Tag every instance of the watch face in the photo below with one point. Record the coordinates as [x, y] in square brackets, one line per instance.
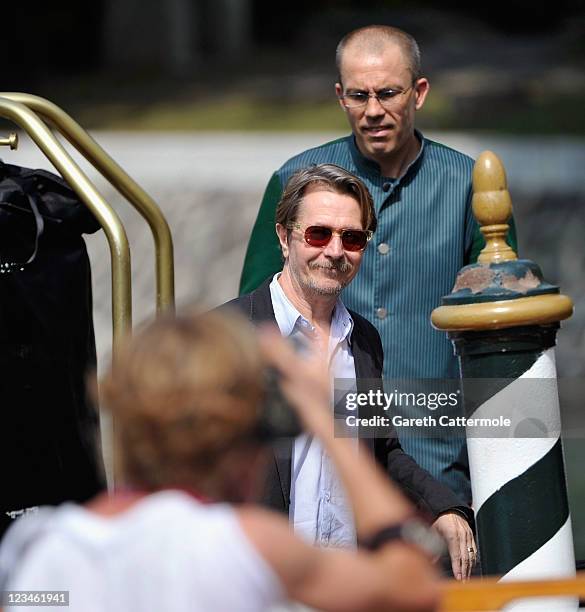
[425, 537]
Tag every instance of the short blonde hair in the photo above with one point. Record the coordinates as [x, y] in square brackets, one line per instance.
[185, 393]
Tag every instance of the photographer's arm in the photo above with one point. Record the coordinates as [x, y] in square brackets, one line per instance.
[396, 575]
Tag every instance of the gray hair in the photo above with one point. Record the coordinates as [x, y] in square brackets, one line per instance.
[331, 178]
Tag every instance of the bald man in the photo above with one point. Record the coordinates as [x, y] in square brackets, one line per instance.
[426, 230]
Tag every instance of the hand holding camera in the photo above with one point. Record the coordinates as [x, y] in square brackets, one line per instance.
[303, 383]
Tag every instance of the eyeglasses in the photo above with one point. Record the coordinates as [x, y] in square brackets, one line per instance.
[320, 236]
[387, 98]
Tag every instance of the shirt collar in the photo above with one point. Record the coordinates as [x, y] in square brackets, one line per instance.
[341, 323]
[289, 319]
[285, 313]
[371, 167]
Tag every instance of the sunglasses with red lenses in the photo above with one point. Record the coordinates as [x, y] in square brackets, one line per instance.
[320, 236]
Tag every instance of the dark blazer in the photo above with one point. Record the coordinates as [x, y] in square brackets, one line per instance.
[429, 495]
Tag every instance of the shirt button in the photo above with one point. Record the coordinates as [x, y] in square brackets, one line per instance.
[386, 186]
[383, 248]
[381, 313]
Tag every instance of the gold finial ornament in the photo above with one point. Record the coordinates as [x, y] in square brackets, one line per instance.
[492, 207]
[10, 141]
[500, 290]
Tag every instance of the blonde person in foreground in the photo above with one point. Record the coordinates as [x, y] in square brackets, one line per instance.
[184, 534]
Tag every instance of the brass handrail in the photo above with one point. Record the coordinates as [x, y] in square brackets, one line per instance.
[491, 594]
[146, 206]
[23, 116]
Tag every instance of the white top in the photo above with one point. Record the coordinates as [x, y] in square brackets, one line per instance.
[319, 509]
[167, 552]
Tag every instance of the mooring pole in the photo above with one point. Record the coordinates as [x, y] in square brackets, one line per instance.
[502, 318]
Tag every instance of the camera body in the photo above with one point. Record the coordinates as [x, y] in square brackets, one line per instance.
[277, 418]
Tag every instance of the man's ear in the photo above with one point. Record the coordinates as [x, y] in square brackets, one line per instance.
[282, 234]
[421, 90]
[339, 92]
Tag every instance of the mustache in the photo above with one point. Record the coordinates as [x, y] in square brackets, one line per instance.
[340, 266]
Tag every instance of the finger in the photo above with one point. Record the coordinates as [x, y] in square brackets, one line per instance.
[471, 548]
[455, 554]
[465, 554]
[274, 349]
[280, 353]
[474, 554]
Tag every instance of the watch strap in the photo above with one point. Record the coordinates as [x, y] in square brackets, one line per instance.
[381, 537]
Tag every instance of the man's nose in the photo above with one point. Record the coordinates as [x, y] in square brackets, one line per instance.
[373, 107]
[334, 248]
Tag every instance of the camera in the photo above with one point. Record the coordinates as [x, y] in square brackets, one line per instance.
[277, 418]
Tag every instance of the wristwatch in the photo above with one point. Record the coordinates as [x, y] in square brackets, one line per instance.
[411, 531]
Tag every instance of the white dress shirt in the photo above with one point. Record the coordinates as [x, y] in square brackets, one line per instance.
[319, 510]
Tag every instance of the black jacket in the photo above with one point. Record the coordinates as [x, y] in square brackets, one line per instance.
[429, 495]
[49, 448]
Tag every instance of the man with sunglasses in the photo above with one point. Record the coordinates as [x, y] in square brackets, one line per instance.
[426, 230]
[324, 222]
